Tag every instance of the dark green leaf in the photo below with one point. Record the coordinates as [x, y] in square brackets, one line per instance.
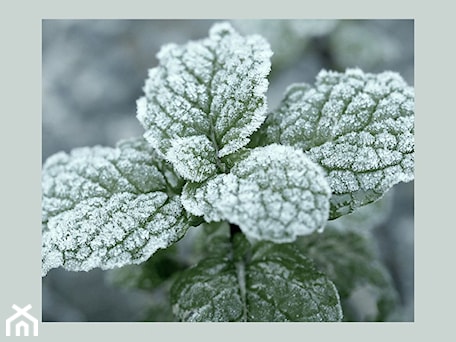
[268, 282]
[351, 261]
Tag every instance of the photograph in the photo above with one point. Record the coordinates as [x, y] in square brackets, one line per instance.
[234, 170]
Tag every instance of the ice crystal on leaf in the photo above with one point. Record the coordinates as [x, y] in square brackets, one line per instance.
[193, 157]
[359, 127]
[107, 207]
[274, 193]
[267, 283]
[209, 92]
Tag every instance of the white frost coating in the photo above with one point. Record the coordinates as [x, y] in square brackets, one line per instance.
[190, 156]
[105, 207]
[359, 127]
[214, 87]
[276, 193]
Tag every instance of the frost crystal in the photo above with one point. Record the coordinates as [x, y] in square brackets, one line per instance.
[359, 127]
[105, 207]
[275, 193]
[190, 156]
[212, 89]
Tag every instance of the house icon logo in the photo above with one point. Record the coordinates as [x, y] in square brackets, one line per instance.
[21, 322]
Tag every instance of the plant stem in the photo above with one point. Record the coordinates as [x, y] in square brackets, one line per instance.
[240, 265]
[234, 229]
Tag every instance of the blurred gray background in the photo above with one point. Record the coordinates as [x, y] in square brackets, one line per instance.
[93, 72]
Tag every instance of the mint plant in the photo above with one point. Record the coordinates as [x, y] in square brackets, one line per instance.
[275, 198]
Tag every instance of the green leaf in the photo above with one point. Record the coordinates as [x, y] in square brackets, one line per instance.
[289, 38]
[351, 260]
[108, 207]
[367, 217]
[364, 45]
[149, 274]
[269, 283]
[211, 239]
[204, 99]
[274, 193]
[359, 127]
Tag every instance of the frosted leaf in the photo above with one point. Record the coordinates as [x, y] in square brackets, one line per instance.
[213, 89]
[269, 283]
[107, 207]
[359, 127]
[190, 157]
[352, 261]
[275, 193]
